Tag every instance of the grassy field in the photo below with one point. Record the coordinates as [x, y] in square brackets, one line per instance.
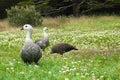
[96, 37]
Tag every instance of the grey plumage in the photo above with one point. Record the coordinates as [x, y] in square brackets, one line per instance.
[61, 48]
[43, 42]
[30, 52]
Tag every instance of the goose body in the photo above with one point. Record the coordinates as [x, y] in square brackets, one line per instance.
[30, 52]
[61, 48]
[43, 42]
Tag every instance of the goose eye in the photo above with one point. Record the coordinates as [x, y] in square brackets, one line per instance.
[25, 26]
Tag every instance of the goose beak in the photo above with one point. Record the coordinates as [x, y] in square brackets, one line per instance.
[22, 28]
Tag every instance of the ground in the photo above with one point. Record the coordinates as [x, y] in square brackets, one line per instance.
[96, 37]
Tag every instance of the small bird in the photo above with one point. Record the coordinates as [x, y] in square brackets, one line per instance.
[30, 52]
[61, 48]
[43, 42]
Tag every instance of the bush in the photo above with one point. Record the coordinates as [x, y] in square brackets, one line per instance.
[24, 15]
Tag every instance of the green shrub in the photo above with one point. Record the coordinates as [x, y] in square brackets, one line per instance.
[24, 15]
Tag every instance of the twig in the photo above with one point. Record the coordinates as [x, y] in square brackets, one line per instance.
[57, 10]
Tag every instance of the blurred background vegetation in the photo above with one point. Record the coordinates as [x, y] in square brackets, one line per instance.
[55, 8]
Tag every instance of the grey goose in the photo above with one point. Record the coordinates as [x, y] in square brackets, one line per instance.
[30, 52]
[43, 42]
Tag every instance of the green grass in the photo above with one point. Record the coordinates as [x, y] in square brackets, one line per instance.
[96, 37]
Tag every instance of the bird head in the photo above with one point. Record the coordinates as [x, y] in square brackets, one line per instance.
[27, 27]
[75, 48]
[45, 29]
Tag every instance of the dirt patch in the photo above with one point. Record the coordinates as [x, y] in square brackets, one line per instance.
[2, 27]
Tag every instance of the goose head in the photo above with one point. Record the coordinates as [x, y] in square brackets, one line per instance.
[27, 27]
[45, 29]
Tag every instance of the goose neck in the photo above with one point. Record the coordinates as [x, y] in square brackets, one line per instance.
[28, 36]
[45, 34]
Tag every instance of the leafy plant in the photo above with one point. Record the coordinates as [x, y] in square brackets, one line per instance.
[24, 15]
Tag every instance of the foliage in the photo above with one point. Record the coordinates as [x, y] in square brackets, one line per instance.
[53, 7]
[24, 15]
[64, 7]
[25, 2]
[116, 1]
[76, 7]
[97, 38]
[4, 4]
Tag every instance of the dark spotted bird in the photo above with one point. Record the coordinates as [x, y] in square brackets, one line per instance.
[43, 42]
[30, 52]
[61, 48]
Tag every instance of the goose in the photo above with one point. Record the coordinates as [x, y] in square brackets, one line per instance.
[43, 42]
[30, 52]
[61, 48]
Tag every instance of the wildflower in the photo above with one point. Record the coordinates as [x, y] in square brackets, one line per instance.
[101, 76]
[22, 72]
[60, 71]
[77, 74]
[85, 69]
[64, 58]
[11, 64]
[8, 69]
[67, 70]
[31, 71]
[11, 68]
[91, 61]
[66, 78]
[19, 62]
[42, 70]
[73, 69]
[14, 59]
[104, 72]
[36, 66]
[72, 62]
[64, 71]
[49, 72]
[82, 76]
[65, 67]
